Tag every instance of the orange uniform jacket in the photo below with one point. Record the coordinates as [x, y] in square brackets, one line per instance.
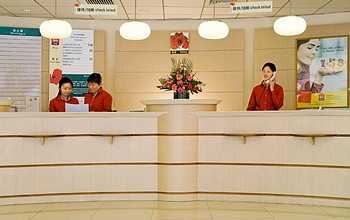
[59, 105]
[263, 99]
[102, 102]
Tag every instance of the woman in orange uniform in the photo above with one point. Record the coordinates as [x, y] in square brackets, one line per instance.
[98, 99]
[65, 87]
[268, 95]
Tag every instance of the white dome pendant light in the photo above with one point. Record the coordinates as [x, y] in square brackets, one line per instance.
[55, 28]
[290, 25]
[214, 29]
[135, 30]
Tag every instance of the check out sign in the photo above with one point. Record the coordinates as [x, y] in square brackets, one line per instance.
[93, 9]
[249, 7]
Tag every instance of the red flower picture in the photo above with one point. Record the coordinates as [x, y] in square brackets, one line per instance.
[179, 43]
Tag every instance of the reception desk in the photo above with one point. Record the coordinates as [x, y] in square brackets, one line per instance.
[177, 151]
[178, 146]
[300, 157]
[62, 157]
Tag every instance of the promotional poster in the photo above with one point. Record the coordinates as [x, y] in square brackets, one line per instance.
[322, 72]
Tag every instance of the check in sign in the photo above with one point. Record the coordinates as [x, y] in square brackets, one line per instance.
[249, 7]
[95, 9]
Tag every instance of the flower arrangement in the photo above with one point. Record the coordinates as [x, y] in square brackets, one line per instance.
[181, 78]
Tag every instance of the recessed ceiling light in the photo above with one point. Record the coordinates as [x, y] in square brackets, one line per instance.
[143, 10]
[26, 10]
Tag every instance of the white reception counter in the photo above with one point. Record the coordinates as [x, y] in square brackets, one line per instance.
[282, 157]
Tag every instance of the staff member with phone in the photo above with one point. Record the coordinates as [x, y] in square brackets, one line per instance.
[268, 95]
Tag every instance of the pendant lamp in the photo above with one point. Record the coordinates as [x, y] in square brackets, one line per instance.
[55, 28]
[135, 30]
[290, 25]
[214, 29]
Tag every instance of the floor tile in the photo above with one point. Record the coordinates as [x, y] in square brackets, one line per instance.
[181, 214]
[235, 214]
[128, 205]
[73, 206]
[236, 206]
[19, 216]
[136, 210]
[22, 209]
[337, 212]
[294, 209]
[161, 210]
[290, 216]
[68, 211]
[181, 205]
[124, 214]
[64, 215]
[179, 218]
[181, 210]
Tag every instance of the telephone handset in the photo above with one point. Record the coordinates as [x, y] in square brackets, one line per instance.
[272, 78]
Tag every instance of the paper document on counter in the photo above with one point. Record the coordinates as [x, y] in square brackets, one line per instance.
[77, 107]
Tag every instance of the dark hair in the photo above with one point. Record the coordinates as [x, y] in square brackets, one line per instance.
[271, 65]
[300, 42]
[63, 81]
[94, 78]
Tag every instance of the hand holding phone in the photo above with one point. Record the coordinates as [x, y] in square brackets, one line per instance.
[272, 78]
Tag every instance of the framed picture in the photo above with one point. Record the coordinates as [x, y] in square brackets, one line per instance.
[322, 72]
[179, 43]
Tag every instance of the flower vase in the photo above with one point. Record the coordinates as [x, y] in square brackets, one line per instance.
[182, 95]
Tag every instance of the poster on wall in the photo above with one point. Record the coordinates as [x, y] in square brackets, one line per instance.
[322, 72]
[179, 43]
[55, 66]
[20, 66]
[72, 57]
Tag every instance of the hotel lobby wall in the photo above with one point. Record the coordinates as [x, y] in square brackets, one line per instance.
[218, 63]
[99, 65]
[282, 51]
[258, 29]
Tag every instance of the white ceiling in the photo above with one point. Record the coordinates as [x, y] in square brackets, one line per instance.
[168, 9]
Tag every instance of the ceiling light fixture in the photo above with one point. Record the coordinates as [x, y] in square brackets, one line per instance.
[135, 30]
[289, 25]
[214, 29]
[55, 28]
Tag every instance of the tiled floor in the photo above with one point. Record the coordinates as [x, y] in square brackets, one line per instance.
[152, 210]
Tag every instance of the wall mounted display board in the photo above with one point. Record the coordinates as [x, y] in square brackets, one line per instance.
[72, 57]
[20, 65]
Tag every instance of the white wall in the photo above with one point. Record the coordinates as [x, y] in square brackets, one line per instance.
[110, 26]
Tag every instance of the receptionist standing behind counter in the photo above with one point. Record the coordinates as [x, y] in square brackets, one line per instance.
[268, 95]
[98, 99]
[65, 87]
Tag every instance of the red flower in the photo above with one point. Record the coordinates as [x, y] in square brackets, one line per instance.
[178, 76]
[173, 87]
